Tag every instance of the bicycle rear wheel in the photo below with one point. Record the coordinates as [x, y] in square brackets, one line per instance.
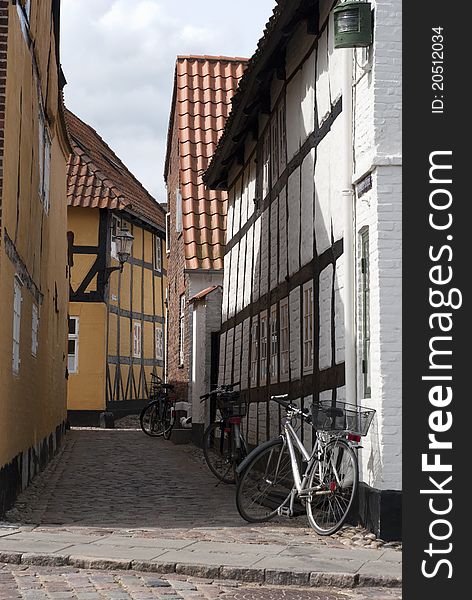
[337, 476]
[266, 483]
[217, 450]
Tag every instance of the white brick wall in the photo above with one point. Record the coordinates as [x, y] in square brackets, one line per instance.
[378, 149]
[229, 356]
[265, 246]
[238, 331]
[283, 233]
[249, 268]
[294, 222]
[274, 244]
[322, 197]
[307, 225]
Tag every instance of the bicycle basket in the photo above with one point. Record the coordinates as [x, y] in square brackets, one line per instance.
[341, 416]
[231, 404]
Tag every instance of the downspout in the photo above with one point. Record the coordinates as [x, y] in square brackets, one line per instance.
[348, 212]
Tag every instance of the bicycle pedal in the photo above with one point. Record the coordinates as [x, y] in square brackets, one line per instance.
[284, 511]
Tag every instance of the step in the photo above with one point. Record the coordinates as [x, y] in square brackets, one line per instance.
[181, 436]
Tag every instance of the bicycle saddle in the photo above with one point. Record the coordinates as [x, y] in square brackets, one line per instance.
[167, 386]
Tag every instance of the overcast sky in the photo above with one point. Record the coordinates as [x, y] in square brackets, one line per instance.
[118, 57]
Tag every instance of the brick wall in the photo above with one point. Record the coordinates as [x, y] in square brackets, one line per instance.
[378, 151]
[176, 373]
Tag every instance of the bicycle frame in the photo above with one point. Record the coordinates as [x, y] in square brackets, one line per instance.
[292, 440]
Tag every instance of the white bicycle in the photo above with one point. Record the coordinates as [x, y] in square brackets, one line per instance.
[272, 477]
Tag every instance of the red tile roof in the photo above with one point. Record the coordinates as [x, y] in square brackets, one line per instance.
[203, 88]
[97, 178]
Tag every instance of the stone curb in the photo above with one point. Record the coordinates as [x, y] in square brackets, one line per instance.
[223, 572]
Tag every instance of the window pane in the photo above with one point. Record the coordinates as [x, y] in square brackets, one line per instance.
[72, 326]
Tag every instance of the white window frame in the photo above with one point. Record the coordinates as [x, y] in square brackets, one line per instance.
[44, 161]
[34, 330]
[364, 288]
[308, 327]
[266, 162]
[181, 330]
[157, 253]
[274, 344]
[75, 338]
[284, 346]
[264, 346]
[254, 350]
[16, 335]
[137, 339]
[159, 338]
[168, 233]
[178, 211]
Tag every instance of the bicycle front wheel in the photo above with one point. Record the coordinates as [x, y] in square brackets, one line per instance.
[153, 420]
[266, 483]
[335, 478]
[217, 449]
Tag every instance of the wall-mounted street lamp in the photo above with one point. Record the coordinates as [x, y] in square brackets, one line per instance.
[124, 246]
[353, 24]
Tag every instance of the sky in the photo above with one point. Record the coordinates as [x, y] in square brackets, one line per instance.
[118, 57]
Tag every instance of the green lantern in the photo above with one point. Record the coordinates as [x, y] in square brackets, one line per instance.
[353, 24]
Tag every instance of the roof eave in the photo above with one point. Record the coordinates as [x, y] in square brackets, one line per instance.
[255, 83]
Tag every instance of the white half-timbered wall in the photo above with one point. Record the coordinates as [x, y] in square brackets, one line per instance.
[285, 234]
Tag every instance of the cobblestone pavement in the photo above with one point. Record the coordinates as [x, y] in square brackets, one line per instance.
[45, 583]
[119, 499]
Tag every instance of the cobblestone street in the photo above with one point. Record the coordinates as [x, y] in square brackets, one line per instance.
[116, 499]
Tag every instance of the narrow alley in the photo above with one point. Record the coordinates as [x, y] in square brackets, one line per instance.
[116, 499]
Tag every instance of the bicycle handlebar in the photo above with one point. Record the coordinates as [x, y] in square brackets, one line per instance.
[289, 406]
[219, 390]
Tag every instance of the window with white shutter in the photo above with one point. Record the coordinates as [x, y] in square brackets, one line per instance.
[254, 350]
[73, 347]
[182, 330]
[308, 326]
[34, 330]
[17, 300]
[168, 234]
[284, 340]
[44, 161]
[263, 348]
[137, 340]
[178, 211]
[274, 344]
[157, 253]
[159, 342]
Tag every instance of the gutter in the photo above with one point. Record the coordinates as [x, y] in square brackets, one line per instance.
[349, 239]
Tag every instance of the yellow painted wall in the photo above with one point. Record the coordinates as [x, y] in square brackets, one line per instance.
[86, 389]
[32, 403]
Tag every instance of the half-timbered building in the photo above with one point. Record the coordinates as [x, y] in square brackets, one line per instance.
[196, 222]
[33, 248]
[116, 318]
[311, 159]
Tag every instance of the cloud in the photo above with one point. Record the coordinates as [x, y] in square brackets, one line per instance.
[119, 59]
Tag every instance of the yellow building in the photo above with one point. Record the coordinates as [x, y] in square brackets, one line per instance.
[116, 318]
[33, 245]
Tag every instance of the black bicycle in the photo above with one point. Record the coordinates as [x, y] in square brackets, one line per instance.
[224, 446]
[158, 416]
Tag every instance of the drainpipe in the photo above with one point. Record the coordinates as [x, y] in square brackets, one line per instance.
[348, 210]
